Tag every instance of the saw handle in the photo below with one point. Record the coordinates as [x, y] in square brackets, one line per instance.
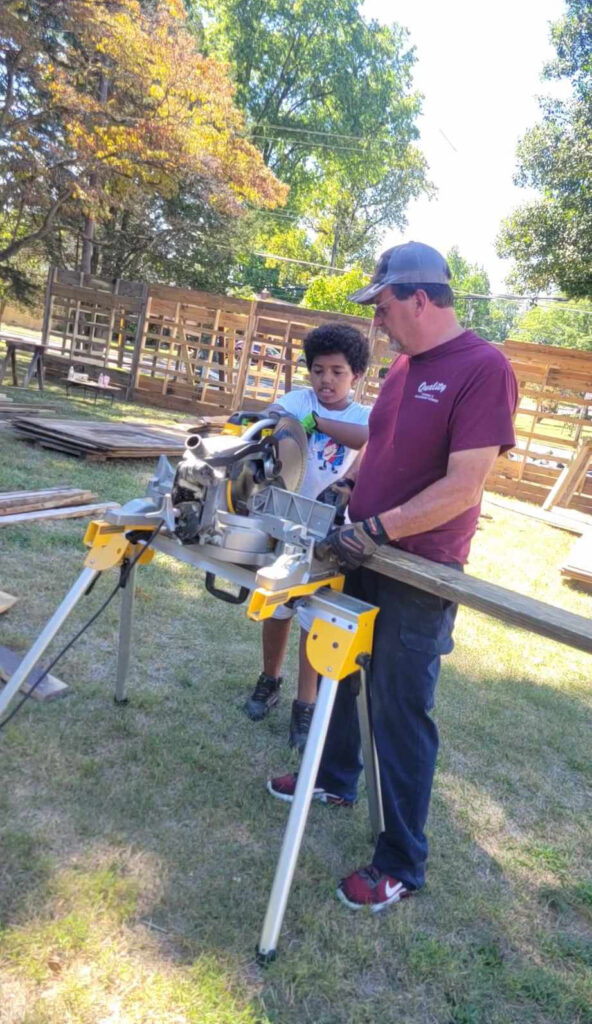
[225, 595]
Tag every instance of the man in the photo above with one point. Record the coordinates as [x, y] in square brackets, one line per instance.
[444, 413]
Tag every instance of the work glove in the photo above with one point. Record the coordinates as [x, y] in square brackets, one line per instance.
[338, 495]
[309, 423]
[352, 545]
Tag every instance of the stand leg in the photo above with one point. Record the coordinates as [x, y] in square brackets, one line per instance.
[126, 620]
[266, 950]
[369, 757]
[46, 636]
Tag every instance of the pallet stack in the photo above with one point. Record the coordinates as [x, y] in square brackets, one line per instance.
[97, 441]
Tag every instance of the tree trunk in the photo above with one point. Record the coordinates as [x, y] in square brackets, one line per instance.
[334, 250]
[87, 245]
[88, 231]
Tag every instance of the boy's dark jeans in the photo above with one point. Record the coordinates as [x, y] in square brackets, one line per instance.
[413, 629]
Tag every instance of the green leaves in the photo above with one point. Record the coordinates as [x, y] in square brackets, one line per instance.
[550, 239]
[328, 98]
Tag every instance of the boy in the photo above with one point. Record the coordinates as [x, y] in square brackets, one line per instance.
[336, 357]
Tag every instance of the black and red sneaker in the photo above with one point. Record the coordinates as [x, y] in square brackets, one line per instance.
[370, 887]
[283, 787]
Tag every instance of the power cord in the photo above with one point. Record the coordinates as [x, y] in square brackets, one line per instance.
[125, 570]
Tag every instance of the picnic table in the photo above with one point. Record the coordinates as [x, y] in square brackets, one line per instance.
[92, 386]
[18, 343]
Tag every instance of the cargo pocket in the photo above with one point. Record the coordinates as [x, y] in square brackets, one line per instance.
[415, 641]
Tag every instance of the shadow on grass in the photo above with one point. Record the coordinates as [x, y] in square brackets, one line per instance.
[167, 794]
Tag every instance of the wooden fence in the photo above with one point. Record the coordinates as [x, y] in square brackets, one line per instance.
[205, 353]
[552, 421]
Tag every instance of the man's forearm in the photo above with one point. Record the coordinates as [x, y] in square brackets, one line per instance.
[437, 504]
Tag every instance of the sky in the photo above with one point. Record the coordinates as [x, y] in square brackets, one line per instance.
[479, 68]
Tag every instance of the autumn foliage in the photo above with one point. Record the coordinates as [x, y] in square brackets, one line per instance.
[107, 102]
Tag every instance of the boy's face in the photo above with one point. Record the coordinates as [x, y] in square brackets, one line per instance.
[332, 380]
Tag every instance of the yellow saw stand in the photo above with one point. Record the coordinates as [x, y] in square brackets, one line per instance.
[339, 644]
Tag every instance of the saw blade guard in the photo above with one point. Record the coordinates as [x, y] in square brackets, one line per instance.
[222, 473]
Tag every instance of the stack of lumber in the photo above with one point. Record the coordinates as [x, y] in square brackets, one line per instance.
[10, 410]
[579, 561]
[103, 440]
[51, 503]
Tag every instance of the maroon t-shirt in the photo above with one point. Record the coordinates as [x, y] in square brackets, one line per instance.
[457, 396]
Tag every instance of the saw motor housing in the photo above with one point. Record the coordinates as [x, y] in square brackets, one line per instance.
[212, 479]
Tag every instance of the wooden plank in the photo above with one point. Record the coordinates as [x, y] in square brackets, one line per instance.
[207, 300]
[489, 598]
[71, 512]
[100, 299]
[562, 519]
[6, 601]
[48, 689]
[30, 501]
[239, 394]
[578, 564]
[570, 479]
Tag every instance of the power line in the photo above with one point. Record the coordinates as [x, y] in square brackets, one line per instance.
[314, 131]
[309, 145]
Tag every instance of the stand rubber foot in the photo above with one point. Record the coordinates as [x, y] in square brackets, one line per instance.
[121, 701]
[263, 959]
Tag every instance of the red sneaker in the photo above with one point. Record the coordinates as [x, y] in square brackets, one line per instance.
[370, 887]
[283, 788]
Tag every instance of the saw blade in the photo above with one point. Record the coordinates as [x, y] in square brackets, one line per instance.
[292, 451]
[292, 448]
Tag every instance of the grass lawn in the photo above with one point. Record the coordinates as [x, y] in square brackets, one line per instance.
[138, 843]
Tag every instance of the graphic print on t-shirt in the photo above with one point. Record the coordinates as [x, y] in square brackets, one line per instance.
[328, 454]
[430, 392]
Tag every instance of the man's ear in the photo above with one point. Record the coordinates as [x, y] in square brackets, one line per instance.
[421, 301]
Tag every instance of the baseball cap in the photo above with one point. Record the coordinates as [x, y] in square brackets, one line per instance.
[410, 263]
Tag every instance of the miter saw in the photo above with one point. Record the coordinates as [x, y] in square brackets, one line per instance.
[237, 500]
[232, 508]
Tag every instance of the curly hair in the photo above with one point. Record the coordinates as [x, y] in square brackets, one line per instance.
[336, 337]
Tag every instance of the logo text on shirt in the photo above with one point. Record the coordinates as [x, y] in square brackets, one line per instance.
[426, 391]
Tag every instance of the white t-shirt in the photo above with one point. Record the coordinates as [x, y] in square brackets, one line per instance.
[327, 459]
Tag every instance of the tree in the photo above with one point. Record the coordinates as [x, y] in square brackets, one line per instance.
[551, 238]
[328, 96]
[556, 325]
[108, 106]
[331, 292]
[490, 318]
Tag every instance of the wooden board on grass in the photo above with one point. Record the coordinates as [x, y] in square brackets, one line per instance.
[49, 688]
[12, 502]
[6, 601]
[578, 565]
[70, 512]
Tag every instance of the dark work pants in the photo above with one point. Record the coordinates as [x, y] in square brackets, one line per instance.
[413, 628]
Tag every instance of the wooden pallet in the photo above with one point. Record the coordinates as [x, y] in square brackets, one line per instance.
[102, 440]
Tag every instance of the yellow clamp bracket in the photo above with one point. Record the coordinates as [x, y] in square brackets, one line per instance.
[333, 646]
[263, 603]
[109, 545]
